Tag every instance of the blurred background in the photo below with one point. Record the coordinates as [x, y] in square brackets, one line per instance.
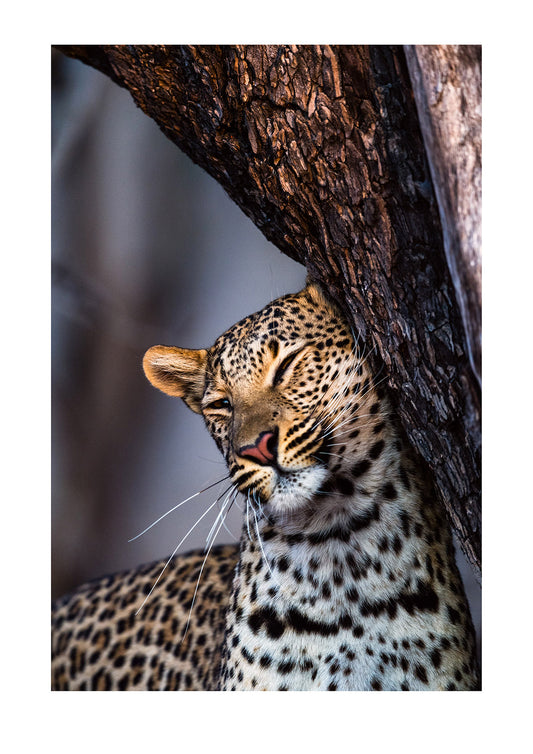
[146, 249]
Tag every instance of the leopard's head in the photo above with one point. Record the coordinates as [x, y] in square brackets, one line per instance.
[283, 393]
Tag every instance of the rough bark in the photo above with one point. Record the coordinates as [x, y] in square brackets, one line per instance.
[321, 147]
[447, 88]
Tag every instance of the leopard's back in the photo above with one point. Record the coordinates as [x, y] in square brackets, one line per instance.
[99, 643]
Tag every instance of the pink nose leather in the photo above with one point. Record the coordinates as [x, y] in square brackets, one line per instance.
[260, 450]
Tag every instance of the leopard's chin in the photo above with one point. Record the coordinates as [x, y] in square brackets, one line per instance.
[293, 490]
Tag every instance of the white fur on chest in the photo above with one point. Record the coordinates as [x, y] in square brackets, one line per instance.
[308, 623]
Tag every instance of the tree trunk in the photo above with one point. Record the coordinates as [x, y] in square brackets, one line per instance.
[321, 147]
[447, 87]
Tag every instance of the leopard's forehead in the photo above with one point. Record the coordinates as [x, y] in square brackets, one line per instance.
[288, 321]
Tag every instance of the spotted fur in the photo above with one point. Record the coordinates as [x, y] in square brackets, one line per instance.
[100, 644]
[346, 577]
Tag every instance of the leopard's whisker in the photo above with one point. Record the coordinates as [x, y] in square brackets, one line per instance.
[327, 453]
[248, 516]
[172, 555]
[338, 432]
[230, 490]
[262, 511]
[232, 535]
[178, 506]
[260, 541]
[338, 422]
[339, 401]
[203, 565]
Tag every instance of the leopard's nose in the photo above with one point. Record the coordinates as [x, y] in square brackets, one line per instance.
[263, 451]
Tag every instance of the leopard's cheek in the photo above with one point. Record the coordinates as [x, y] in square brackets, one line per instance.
[255, 482]
[220, 434]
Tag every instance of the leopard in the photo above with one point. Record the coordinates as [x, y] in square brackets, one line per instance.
[344, 578]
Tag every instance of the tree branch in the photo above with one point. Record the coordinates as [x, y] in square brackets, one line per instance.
[447, 87]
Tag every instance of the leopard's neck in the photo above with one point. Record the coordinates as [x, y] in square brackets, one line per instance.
[360, 600]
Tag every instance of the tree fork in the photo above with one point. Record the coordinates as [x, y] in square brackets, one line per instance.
[321, 147]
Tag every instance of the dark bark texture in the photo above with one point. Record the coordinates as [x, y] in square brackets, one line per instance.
[321, 147]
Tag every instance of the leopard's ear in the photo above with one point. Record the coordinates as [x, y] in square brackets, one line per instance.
[178, 372]
[315, 293]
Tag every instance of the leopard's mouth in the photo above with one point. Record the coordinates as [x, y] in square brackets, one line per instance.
[285, 487]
